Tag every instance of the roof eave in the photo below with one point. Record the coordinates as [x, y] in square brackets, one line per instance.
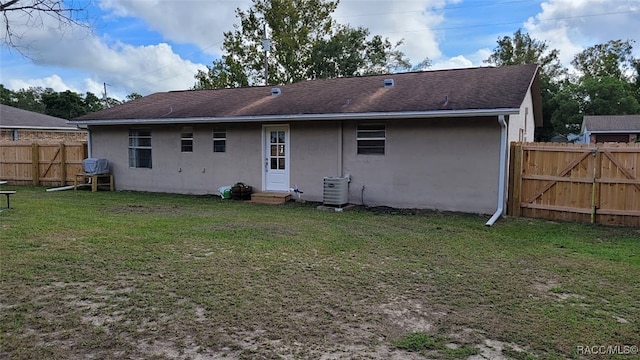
[307, 117]
[625, 131]
[39, 128]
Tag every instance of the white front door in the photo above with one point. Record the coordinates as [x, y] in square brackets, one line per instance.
[276, 158]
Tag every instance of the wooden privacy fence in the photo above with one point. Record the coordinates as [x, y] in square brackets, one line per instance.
[597, 183]
[41, 164]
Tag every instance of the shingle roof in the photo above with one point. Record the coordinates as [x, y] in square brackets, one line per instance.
[12, 117]
[457, 89]
[623, 123]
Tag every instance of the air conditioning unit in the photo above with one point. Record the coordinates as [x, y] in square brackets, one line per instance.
[335, 191]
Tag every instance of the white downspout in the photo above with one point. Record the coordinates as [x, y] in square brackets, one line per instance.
[503, 168]
[89, 147]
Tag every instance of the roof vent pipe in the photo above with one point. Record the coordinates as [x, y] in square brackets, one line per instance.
[276, 91]
[388, 83]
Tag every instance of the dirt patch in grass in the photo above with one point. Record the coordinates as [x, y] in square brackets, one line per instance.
[127, 209]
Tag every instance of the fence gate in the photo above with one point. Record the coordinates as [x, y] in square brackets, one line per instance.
[41, 164]
[576, 182]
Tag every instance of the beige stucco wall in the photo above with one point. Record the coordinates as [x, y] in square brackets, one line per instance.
[314, 156]
[522, 126]
[446, 164]
[199, 172]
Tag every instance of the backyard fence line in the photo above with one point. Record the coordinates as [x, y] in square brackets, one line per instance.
[24, 163]
[597, 183]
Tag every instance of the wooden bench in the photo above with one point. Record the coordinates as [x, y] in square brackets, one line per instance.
[7, 193]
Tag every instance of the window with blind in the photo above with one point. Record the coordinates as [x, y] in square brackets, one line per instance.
[140, 148]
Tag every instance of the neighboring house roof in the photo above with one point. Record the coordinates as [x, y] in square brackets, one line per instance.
[15, 118]
[457, 92]
[611, 123]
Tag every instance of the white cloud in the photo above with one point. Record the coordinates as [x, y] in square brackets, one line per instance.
[452, 63]
[204, 22]
[142, 69]
[54, 82]
[573, 25]
[188, 21]
[412, 21]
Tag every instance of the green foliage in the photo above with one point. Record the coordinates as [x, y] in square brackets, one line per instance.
[522, 49]
[608, 83]
[612, 59]
[591, 96]
[306, 43]
[133, 96]
[27, 99]
[66, 104]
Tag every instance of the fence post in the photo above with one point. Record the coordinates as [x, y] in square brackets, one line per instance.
[515, 182]
[595, 190]
[35, 164]
[63, 165]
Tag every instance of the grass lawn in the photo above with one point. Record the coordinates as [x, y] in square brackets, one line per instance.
[155, 276]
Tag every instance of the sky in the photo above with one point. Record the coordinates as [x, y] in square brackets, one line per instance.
[147, 46]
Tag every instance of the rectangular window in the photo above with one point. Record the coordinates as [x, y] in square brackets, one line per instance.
[186, 139]
[140, 148]
[219, 140]
[371, 139]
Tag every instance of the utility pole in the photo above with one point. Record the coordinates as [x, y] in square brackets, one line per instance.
[104, 97]
[266, 46]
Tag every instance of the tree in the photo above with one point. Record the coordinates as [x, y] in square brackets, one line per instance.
[521, 49]
[29, 99]
[608, 85]
[611, 59]
[306, 43]
[6, 95]
[591, 96]
[66, 104]
[37, 13]
[133, 96]
[92, 103]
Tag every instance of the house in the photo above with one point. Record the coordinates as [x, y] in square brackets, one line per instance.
[434, 139]
[23, 125]
[611, 128]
